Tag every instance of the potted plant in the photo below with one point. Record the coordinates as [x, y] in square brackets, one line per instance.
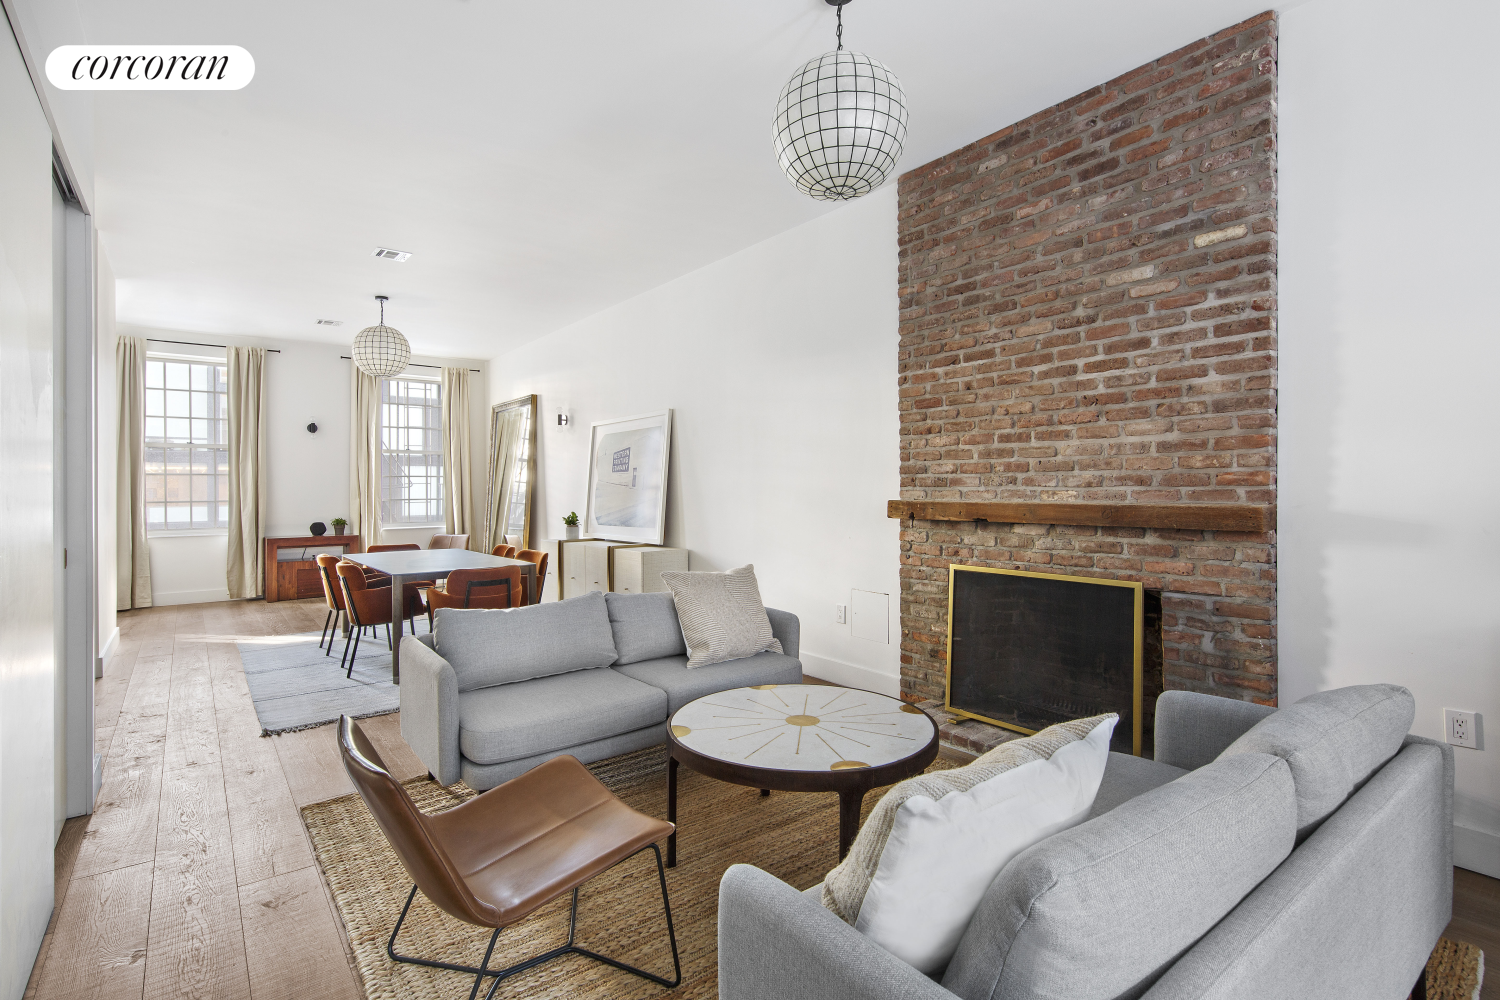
[570, 526]
[338, 525]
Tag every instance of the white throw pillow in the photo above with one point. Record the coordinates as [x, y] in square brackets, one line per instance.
[721, 615]
[941, 855]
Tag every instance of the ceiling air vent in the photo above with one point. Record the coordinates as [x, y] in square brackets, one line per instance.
[388, 254]
[330, 322]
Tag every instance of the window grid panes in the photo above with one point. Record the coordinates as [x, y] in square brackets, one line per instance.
[187, 445]
[411, 451]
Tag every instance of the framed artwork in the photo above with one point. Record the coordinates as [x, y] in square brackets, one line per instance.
[627, 499]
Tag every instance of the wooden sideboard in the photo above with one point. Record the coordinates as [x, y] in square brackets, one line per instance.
[291, 564]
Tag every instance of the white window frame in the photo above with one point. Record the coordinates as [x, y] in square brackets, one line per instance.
[203, 435]
[408, 434]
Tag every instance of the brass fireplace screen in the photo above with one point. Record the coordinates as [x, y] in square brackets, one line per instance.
[1027, 650]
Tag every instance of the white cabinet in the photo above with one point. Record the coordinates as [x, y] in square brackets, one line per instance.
[638, 570]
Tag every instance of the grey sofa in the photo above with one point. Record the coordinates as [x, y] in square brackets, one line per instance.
[1303, 856]
[488, 695]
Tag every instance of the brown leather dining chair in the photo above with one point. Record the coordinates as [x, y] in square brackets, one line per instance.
[413, 589]
[367, 606]
[497, 858]
[449, 542]
[504, 551]
[540, 558]
[477, 588]
[333, 593]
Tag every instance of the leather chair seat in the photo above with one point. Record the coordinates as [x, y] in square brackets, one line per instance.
[512, 721]
[533, 838]
[671, 674]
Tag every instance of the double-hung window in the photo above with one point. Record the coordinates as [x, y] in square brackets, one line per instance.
[411, 451]
[187, 445]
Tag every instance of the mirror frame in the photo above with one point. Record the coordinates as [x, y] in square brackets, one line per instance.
[530, 402]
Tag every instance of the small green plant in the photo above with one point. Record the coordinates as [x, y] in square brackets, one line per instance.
[338, 522]
[571, 520]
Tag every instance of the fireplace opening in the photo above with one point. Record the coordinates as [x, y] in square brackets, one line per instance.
[1028, 650]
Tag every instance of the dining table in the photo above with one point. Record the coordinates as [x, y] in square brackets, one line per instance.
[405, 566]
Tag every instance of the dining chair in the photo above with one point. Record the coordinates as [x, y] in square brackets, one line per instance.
[496, 859]
[367, 606]
[504, 551]
[449, 542]
[333, 593]
[477, 588]
[414, 588]
[540, 558]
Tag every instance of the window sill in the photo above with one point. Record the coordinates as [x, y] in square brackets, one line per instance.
[189, 533]
[412, 527]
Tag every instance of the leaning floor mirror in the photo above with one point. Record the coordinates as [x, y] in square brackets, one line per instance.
[512, 469]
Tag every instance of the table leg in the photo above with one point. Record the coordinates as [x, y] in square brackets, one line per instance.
[672, 809]
[850, 803]
[398, 619]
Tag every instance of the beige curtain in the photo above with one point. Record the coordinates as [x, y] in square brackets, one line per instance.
[507, 430]
[364, 456]
[132, 557]
[458, 496]
[247, 471]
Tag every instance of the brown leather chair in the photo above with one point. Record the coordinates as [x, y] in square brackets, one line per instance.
[504, 551]
[477, 588]
[497, 858]
[367, 606]
[449, 542]
[540, 558]
[414, 588]
[333, 593]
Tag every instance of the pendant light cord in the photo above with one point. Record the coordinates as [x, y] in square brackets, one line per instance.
[839, 32]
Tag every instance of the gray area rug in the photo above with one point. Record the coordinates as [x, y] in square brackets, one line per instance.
[294, 686]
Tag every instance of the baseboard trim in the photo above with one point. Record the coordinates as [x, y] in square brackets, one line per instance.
[850, 674]
[108, 648]
[160, 600]
[1476, 850]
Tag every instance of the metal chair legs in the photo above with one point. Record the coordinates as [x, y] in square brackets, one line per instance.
[326, 619]
[355, 655]
[483, 970]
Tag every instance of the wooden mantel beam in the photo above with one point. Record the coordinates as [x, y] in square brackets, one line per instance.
[1191, 516]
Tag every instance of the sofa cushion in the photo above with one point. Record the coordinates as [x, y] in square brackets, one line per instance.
[645, 627]
[722, 615]
[1100, 911]
[671, 674]
[511, 721]
[1126, 776]
[1333, 740]
[502, 647]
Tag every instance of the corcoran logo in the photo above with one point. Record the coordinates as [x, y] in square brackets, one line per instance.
[150, 67]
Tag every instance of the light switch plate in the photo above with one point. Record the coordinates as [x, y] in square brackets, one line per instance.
[872, 616]
[840, 614]
[1461, 728]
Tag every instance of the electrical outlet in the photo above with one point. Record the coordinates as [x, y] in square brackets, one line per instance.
[840, 613]
[1460, 728]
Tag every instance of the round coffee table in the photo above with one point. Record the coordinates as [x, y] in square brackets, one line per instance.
[800, 738]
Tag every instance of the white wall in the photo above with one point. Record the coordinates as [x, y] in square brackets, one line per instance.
[779, 365]
[1388, 465]
[27, 569]
[308, 474]
[107, 431]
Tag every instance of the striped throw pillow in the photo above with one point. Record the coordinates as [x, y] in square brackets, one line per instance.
[721, 614]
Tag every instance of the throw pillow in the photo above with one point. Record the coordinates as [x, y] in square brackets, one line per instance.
[493, 647]
[920, 866]
[645, 627]
[721, 614]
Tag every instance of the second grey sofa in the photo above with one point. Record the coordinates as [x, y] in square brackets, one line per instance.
[488, 695]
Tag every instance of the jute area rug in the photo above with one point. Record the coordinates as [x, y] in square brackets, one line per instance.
[792, 835]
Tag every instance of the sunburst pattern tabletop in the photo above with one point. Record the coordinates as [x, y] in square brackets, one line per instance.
[802, 727]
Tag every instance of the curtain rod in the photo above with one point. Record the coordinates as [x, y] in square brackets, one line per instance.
[413, 364]
[194, 343]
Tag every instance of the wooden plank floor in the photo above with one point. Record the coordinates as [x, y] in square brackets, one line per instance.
[194, 877]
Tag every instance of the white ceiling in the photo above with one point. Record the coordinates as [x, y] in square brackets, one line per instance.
[540, 161]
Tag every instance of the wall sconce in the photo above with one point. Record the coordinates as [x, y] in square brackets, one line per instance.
[564, 418]
[312, 428]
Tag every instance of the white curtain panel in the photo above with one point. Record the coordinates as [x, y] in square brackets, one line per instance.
[244, 571]
[506, 428]
[364, 456]
[458, 501]
[132, 557]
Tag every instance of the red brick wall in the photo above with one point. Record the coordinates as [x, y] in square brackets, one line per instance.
[1088, 312]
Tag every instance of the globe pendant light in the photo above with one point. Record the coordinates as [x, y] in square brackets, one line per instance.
[381, 350]
[840, 123]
